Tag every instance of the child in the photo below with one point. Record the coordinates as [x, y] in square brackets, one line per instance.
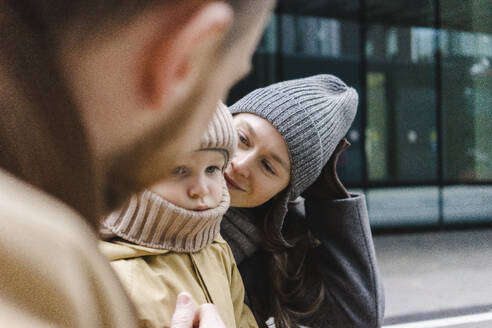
[166, 240]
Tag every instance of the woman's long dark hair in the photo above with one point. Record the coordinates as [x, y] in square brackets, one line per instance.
[297, 290]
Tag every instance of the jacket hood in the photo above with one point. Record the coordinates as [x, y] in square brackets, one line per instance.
[120, 250]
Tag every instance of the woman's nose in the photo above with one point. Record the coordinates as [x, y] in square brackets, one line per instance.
[241, 163]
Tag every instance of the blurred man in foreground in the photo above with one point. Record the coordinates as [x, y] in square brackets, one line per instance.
[97, 97]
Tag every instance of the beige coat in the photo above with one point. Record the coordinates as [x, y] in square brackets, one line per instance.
[52, 273]
[154, 278]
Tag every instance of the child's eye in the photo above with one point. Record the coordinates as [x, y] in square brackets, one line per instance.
[212, 169]
[243, 139]
[180, 171]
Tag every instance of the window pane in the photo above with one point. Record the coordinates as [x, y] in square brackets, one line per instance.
[401, 136]
[401, 97]
[315, 45]
[400, 13]
[264, 64]
[466, 45]
[342, 9]
[396, 207]
[467, 204]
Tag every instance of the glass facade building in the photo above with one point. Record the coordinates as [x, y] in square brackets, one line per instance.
[422, 139]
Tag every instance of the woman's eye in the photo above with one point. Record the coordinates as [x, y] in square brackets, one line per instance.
[243, 139]
[212, 169]
[268, 167]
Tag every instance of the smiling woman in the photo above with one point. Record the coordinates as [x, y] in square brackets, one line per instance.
[261, 167]
[315, 268]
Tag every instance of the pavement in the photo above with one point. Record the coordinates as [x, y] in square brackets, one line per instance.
[433, 275]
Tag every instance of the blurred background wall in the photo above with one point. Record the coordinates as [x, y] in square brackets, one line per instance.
[422, 140]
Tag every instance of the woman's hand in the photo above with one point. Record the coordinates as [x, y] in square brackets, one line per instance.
[187, 315]
[328, 185]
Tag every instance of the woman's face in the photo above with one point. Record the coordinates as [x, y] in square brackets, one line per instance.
[261, 167]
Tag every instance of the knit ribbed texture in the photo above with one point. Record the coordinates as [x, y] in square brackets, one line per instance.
[221, 133]
[312, 114]
[149, 220]
[238, 229]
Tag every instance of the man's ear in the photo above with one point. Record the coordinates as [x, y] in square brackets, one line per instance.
[175, 61]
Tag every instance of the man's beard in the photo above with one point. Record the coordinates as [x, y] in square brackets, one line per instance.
[145, 162]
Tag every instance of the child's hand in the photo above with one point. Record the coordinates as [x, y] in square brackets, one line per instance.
[207, 316]
[187, 315]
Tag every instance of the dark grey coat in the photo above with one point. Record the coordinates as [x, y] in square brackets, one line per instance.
[347, 262]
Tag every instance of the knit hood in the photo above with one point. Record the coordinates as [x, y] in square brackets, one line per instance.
[149, 220]
[221, 135]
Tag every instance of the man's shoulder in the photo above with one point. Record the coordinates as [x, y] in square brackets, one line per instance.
[32, 215]
[50, 258]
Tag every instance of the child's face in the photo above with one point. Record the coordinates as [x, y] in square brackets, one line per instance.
[196, 183]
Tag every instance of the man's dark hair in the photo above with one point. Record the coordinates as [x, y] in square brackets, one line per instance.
[92, 15]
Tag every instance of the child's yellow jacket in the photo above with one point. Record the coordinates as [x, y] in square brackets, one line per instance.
[154, 278]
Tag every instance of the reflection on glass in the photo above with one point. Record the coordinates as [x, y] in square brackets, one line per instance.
[401, 105]
[268, 42]
[467, 204]
[320, 37]
[377, 125]
[467, 106]
[408, 116]
[396, 207]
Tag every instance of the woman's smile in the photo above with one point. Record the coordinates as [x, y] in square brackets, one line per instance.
[231, 184]
[260, 169]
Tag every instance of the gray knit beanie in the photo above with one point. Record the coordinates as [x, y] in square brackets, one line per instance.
[312, 114]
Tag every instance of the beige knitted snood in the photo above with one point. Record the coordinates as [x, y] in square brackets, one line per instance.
[149, 220]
